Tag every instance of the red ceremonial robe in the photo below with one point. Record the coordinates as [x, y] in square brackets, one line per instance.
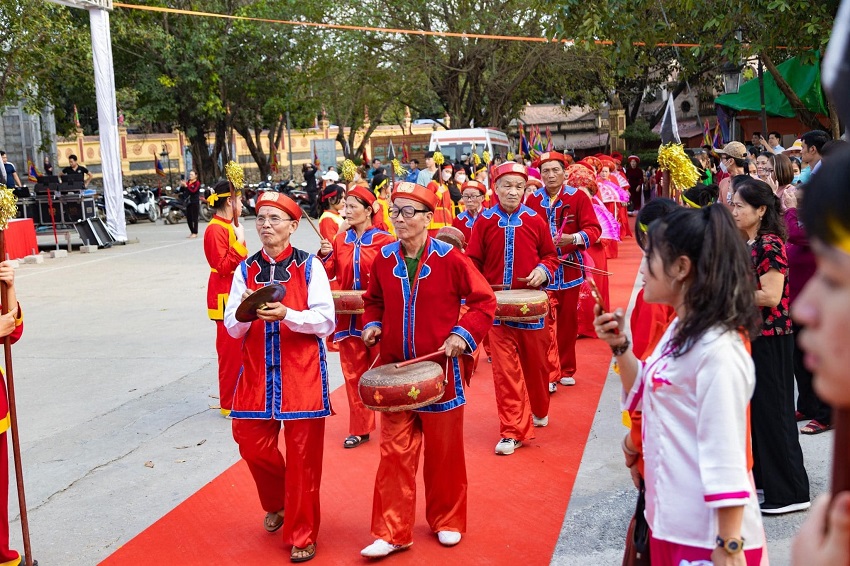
[443, 279]
[570, 213]
[223, 254]
[464, 223]
[350, 262]
[329, 223]
[444, 213]
[505, 247]
[284, 379]
[7, 555]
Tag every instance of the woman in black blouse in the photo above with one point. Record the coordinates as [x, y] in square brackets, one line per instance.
[778, 459]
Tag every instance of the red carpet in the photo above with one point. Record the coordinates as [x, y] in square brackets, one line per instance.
[516, 503]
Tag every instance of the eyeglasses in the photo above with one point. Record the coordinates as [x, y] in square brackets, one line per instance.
[273, 220]
[473, 196]
[406, 211]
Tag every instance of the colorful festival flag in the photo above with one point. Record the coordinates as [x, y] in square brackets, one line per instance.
[549, 144]
[706, 134]
[157, 165]
[32, 174]
[76, 117]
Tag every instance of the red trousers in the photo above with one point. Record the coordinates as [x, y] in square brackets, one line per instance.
[229, 351]
[355, 358]
[519, 394]
[293, 487]
[7, 556]
[552, 352]
[444, 472]
[566, 328]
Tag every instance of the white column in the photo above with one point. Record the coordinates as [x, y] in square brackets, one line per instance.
[107, 118]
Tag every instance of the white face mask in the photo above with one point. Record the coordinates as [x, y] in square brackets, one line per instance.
[356, 177]
[447, 175]
[461, 178]
[723, 167]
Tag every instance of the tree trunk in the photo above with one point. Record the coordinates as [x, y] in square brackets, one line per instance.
[255, 148]
[834, 119]
[805, 115]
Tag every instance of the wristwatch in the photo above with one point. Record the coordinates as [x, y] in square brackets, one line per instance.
[576, 239]
[731, 545]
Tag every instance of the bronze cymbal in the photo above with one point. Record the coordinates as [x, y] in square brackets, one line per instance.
[247, 310]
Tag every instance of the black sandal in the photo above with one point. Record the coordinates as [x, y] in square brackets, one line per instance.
[273, 526]
[310, 549]
[354, 441]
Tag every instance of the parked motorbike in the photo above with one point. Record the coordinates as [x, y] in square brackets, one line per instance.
[298, 194]
[173, 208]
[206, 211]
[139, 202]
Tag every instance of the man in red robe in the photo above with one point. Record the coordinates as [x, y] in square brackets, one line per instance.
[284, 379]
[512, 247]
[413, 306]
[224, 248]
[573, 226]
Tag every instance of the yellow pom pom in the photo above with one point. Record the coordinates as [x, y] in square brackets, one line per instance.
[234, 173]
[510, 156]
[398, 169]
[486, 157]
[8, 207]
[438, 158]
[673, 159]
[348, 170]
[476, 159]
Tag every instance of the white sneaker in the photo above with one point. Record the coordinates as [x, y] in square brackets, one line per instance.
[381, 548]
[448, 538]
[540, 422]
[553, 387]
[568, 381]
[506, 446]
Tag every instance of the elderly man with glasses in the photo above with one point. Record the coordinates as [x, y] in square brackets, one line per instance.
[284, 379]
[413, 306]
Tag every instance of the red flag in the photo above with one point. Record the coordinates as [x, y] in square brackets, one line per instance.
[405, 153]
[274, 162]
[365, 157]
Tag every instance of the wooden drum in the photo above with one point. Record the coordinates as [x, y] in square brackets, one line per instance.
[348, 302]
[521, 305]
[390, 389]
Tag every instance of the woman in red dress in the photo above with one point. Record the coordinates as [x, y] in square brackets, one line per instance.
[348, 258]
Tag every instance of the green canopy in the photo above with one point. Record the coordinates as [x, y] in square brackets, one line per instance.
[803, 79]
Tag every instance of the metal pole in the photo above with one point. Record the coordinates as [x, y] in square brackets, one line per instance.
[289, 142]
[761, 94]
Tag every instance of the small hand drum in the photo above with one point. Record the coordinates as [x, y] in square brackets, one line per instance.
[521, 305]
[348, 302]
[391, 389]
[247, 310]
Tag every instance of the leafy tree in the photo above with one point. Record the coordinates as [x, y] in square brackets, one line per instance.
[38, 38]
[740, 29]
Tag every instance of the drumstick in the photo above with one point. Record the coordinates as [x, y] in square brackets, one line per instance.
[427, 357]
[375, 361]
[313, 226]
[498, 287]
[587, 267]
